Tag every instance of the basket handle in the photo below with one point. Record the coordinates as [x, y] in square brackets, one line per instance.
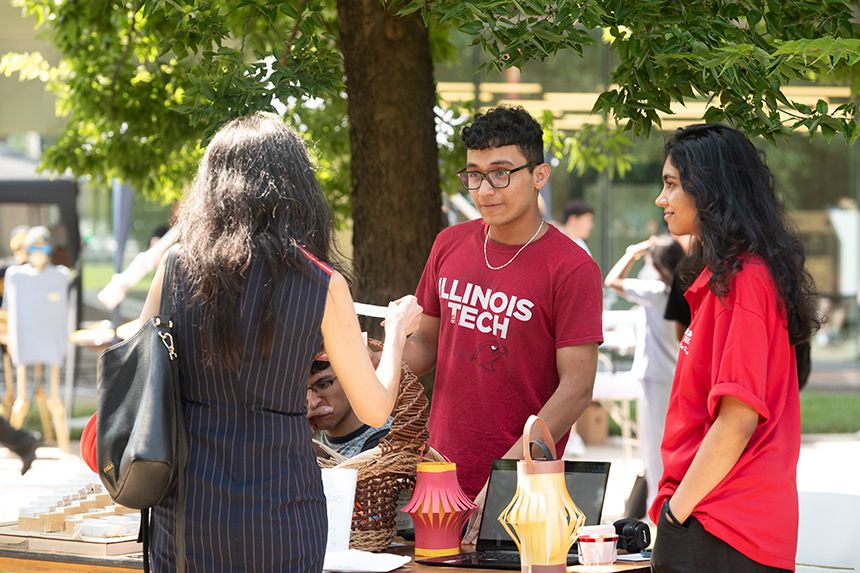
[428, 453]
[527, 432]
[409, 427]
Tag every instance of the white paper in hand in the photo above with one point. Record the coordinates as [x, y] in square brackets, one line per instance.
[339, 488]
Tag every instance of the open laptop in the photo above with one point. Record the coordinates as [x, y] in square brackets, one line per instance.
[494, 549]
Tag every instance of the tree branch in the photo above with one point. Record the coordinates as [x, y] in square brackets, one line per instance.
[132, 32]
[293, 33]
[245, 34]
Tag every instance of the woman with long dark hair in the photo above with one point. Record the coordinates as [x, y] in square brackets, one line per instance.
[255, 295]
[728, 495]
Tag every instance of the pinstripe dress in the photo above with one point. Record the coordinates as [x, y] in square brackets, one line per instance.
[254, 497]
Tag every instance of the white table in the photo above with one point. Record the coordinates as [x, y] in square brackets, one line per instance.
[619, 331]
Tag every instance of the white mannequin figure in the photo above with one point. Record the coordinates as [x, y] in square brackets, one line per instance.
[36, 297]
[20, 256]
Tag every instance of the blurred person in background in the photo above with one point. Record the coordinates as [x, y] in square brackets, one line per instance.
[20, 256]
[578, 221]
[656, 350]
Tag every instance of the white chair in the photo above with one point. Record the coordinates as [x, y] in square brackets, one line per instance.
[617, 391]
[828, 536]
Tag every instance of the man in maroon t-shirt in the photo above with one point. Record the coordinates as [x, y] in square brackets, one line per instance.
[512, 309]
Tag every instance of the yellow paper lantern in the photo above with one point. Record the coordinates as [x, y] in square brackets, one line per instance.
[541, 518]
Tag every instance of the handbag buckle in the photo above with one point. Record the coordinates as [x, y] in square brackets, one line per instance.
[167, 339]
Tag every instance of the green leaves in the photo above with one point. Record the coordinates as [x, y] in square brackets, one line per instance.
[735, 53]
[593, 146]
[145, 83]
[515, 32]
[744, 66]
[27, 65]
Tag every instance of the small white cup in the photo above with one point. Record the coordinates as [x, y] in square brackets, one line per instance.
[598, 545]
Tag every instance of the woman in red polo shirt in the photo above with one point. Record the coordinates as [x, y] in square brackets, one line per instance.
[728, 496]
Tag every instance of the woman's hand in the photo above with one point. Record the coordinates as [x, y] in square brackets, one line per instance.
[677, 519]
[403, 316]
[616, 275]
[639, 249]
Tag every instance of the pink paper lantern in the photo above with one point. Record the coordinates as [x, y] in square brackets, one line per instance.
[439, 510]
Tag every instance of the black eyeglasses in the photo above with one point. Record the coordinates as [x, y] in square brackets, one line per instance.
[497, 178]
[321, 386]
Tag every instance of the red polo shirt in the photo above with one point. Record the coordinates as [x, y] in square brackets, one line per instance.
[738, 346]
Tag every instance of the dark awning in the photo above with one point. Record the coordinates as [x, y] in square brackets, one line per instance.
[20, 182]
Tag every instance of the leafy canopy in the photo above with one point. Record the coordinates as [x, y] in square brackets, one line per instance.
[145, 83]
[737, 54]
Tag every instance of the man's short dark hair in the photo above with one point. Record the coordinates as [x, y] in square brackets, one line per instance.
[576, 208]
[506, 125]
[318, 365]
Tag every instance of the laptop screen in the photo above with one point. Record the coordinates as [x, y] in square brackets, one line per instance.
[586, 483]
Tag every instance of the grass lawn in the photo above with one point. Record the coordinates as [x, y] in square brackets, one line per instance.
[96, 276]
[820, 413]
[829, 412]
[82, 407]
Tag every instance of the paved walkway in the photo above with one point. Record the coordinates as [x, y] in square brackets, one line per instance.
[829, 463]
[51, 470]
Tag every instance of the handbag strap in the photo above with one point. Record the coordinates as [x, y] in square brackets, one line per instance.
[182, 446]
[167, 283]
[182, 451]
[164, 310]
[143, 537]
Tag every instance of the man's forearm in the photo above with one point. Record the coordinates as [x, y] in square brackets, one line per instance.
[419, 354]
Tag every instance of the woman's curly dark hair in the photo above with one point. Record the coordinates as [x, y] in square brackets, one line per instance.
[739, 213]
[255, 197]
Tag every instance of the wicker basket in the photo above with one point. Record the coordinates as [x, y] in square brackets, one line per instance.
[388, 469]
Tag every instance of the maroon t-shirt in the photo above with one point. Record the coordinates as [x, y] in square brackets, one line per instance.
[498, 334]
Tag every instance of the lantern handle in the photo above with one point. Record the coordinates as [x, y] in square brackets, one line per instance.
[527, 431]
[548, 455]
[426, 452]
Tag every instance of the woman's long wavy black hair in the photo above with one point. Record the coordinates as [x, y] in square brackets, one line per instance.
[739, 213]
[255, 196]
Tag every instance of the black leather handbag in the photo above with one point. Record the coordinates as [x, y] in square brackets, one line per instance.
[141, 445]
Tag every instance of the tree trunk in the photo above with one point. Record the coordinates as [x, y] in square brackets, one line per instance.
[396, 203]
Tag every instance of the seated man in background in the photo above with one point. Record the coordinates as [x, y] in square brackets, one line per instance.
[331, 415]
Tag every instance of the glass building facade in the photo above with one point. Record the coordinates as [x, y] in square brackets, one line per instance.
[818, 181]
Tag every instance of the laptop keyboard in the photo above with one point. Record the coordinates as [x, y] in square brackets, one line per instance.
[508, 556]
